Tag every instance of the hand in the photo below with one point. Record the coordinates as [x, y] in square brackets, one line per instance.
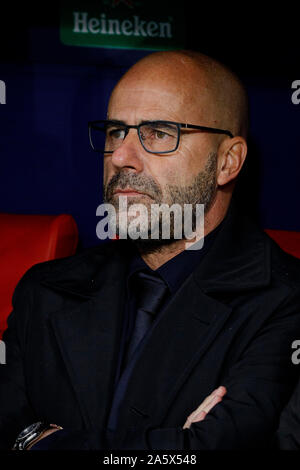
[200, 413]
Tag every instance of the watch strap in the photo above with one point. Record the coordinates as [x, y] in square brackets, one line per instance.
[30, 434]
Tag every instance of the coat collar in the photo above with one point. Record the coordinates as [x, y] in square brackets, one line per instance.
[86, 274]
[239, 259]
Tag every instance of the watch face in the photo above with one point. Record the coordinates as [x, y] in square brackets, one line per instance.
[29, 430]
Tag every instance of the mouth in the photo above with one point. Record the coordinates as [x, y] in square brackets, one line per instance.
[128, 192]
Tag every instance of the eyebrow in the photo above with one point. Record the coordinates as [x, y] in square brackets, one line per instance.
[144, 121]
[117, 121]
[160, 122]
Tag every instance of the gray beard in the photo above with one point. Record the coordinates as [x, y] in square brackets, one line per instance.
[202, 190]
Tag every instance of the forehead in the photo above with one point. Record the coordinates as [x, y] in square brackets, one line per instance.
[145, 99]
[159, 95]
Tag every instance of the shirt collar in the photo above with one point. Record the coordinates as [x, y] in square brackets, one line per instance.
[178, 268]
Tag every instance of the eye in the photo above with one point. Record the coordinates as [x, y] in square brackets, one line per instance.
[160, 135]
[154, 132]
[163, 131]
[117, 133]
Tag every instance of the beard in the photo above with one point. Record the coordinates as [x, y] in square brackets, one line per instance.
[201, 190]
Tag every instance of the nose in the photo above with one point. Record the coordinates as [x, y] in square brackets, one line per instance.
[128, 155]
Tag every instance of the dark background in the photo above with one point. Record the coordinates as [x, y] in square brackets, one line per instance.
[52, 91]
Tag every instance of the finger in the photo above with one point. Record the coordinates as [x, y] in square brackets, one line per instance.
[213, 399]
[186, 425]
[189, 421]
[220, 391]
[205, 406]
[200, 416]
[205, 402]
[201, 412]
[212, 404]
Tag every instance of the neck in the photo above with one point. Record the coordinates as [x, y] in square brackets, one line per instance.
[164, 253]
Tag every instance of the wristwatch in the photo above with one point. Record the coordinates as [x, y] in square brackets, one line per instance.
[31, 433]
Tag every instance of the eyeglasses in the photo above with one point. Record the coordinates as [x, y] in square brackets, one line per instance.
[157, 137]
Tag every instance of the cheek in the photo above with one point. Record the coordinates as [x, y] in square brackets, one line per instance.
[181, 168]
[107, 170]
[194, 158]
[172, 171]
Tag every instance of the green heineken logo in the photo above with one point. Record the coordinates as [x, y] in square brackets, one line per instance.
[129, 3]
[128, 24]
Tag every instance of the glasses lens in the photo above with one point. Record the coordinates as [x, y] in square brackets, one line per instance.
[106, 136]
[159, 136]
[114, 136]
[97, 136]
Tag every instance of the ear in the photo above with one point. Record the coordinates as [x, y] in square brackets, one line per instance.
[232, 154]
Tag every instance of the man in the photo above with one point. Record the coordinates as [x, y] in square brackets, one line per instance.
[78, 351]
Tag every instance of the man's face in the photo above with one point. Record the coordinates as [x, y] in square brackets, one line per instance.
[186, 176]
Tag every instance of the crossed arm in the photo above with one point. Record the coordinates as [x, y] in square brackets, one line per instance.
[258, 384]
[196, 416]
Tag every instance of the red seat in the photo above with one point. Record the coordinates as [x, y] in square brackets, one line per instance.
[289, 241]
[26, 240]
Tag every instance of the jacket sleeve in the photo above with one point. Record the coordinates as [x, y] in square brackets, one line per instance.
[258, 386]
[288, 434]
[15, 410]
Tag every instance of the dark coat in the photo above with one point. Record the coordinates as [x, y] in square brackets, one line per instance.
[231, 323]
[288, 433]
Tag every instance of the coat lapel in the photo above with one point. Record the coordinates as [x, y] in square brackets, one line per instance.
[88, 335]
[178, 339]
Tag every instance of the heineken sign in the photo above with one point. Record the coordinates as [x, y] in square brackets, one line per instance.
[129, 24]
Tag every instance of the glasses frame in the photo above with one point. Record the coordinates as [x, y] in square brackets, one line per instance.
[127, 127]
